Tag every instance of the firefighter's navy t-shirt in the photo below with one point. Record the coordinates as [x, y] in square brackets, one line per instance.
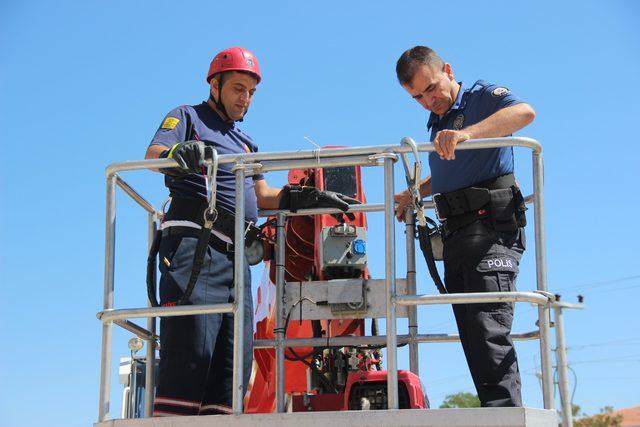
[201, 122]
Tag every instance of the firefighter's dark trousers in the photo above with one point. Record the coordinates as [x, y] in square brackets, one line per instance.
[196, 352]
[479, 259]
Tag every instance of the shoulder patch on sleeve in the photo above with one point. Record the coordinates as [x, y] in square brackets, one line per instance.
[170, 123]
[499, 92]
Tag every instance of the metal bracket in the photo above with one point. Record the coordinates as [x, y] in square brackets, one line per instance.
[346, 297]
[385, 155]
[251, 167]
[550, 296]
[333, 297]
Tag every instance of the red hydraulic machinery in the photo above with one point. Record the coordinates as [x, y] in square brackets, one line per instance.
[327, 254]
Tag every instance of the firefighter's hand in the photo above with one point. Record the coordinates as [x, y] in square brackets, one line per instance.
[330, 199]
[189, 156]
[446, 140]
[403, 200]
[295, 197]
[337, 200]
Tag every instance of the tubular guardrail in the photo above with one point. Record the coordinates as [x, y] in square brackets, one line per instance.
[381, 155]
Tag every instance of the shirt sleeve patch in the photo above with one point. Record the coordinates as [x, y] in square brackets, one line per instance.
[170, 123]
[499, 92]
[458, 122]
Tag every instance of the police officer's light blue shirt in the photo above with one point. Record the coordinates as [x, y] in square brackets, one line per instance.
[472, 105]
[201, 122]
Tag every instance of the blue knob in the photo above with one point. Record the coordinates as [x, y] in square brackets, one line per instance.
[359, 247]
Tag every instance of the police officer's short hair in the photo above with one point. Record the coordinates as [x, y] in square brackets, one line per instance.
[411, 60]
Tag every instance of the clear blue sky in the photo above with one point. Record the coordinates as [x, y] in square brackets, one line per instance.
[85, 84]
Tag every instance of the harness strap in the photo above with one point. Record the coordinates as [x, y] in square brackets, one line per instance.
[214, 241]
[198, 259]
[151, 269]
[424, 237]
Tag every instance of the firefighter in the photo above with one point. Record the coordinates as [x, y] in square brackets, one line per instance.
[196, 352]
[481, 209]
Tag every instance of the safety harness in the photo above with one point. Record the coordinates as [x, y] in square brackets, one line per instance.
[208, 217]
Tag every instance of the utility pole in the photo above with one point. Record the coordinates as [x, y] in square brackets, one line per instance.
[561, 358]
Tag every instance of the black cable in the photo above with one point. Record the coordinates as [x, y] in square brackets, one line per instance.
[313, 353]
[575, 384]
[286, 326]
[602, 282]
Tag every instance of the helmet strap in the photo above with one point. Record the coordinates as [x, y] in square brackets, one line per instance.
[218, 102]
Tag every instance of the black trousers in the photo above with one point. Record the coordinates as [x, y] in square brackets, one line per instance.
[196, 352]
[479, 259]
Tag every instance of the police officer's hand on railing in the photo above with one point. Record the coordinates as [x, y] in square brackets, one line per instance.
[446, 140]
[189, 156]
[403, 200]
[295, 197]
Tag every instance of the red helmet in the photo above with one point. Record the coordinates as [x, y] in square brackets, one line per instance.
[234, 59]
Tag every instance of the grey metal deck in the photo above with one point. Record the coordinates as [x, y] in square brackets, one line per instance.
[476, 417]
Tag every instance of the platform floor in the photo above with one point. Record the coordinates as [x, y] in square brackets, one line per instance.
[476, 417]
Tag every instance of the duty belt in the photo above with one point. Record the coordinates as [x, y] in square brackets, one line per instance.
[459, 208]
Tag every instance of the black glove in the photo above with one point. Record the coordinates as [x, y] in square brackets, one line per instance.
[295, 197]
[189, 156]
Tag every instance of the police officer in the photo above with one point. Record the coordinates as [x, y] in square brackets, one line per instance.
[196, 353]
[481, 207]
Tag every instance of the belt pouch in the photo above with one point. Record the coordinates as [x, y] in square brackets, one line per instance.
[521, 207]
[503, 210]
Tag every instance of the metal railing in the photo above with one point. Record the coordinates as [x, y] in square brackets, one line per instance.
[381, 155]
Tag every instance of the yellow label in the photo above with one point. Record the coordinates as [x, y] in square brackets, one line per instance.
[170, 123]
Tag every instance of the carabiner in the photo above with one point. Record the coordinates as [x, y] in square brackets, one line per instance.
[211, 184]
[413, 179]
